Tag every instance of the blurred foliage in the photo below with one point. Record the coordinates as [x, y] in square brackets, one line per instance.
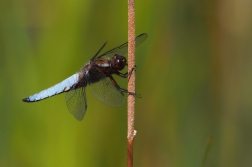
[194, 73]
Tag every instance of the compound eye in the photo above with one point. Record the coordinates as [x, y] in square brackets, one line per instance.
[119, 62]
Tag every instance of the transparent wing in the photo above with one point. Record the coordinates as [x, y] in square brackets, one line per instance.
[76, 102]
[104, 90]
[122, 49]
[107, 93]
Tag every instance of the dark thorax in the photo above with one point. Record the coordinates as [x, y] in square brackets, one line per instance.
[106, 65]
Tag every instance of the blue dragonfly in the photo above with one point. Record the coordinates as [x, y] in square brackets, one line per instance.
[97, 75]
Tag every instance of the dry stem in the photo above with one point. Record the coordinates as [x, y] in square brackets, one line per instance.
[131, 83]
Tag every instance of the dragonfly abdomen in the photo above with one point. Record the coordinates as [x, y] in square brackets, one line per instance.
[61, 87]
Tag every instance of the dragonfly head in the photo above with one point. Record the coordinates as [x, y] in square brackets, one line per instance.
[119, 62]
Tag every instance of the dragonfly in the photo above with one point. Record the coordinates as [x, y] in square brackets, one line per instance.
[97, 75]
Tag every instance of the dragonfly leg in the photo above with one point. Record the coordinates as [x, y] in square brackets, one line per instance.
[121, 75]
[121, 89]
[130, 93]
[132, 69]
[126, 75]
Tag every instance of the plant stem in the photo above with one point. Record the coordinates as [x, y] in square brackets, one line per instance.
[131, 83]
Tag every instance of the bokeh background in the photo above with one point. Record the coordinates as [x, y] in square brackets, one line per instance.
[194, 73]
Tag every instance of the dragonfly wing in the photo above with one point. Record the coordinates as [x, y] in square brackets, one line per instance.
[104, 90]
[107, 93]
[76, 102]
[61, 87]
[122, 49]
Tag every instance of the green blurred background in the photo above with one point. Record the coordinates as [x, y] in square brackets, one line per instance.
[194, 73]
